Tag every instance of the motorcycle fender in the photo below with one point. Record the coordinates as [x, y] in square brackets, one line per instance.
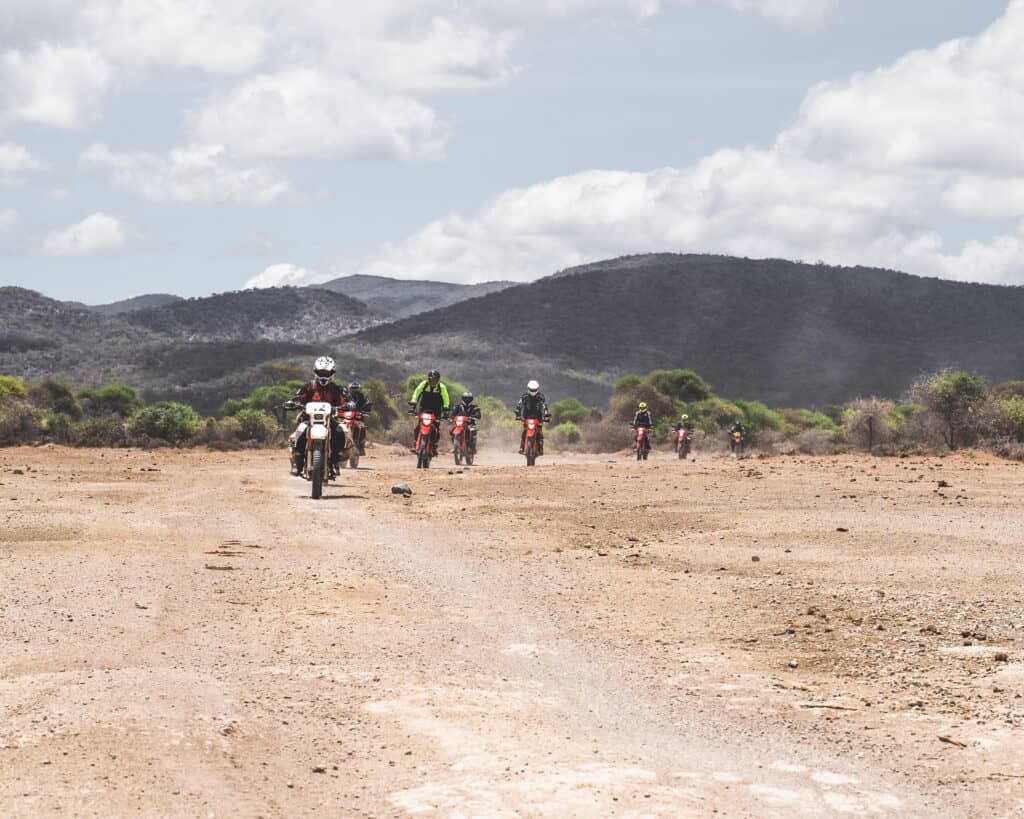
[318, 433]
[300, 430]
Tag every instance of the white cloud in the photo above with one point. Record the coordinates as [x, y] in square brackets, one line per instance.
[188, 175]
[285, 275]
[94, 234]
[309, 114]
[862, 176]
[59, 86]
[804, 14]
[16, 162]
[9, 218]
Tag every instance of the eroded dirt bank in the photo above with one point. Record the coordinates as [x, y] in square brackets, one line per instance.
[186, 633]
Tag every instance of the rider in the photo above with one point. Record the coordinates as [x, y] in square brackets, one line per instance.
[472, 411]
[321, 388]
[533, 404]
[642, 418]
[363, 406]
[431, 396]
[684, 423]
[737, 426]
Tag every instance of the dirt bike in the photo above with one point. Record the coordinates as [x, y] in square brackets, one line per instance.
[461, 440]
[683, 441]
[643, 443]
[737, 442]
[531, 446]
[316, 430]
[351, 421]
[425, 439]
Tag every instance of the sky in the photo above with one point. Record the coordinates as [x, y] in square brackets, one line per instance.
[200, 146]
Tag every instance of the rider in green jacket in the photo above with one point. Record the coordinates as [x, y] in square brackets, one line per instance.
[431, 396]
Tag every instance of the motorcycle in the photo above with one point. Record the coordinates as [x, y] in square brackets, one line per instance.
[424, 439]
[683, 440]
[351, 421]
[316, 430]
[736, 443]
[461, 440]
[531, 446]
[643, 443]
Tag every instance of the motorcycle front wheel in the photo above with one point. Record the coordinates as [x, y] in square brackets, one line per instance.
[318, 470]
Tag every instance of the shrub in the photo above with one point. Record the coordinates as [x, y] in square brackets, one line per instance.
[566, 433]
[255, 425]
[714, 414]
[17, 423]
[758, 417]
[113, 399]
[627, 383]
[385, 413]
[98, 432]
[56, 397]
[11, 387]
[571, 410]
[1008, 418]
[814, 441]
[166, 420]
[681, 385]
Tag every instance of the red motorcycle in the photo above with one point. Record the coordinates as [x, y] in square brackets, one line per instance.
[643, 443]
[425, 439]
[352, 422]
[531, 446]
[683, 440]
[461, 440]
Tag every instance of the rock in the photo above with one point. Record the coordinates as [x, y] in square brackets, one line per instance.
[17, 471]
[319, 769]
[1002, 657]
[793, 664]
[401, 489]
[842, 529]
[755, 559]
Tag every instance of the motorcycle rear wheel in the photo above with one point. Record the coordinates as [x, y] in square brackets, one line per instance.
[423, 453]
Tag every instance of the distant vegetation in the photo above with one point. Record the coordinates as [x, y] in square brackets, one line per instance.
[946, 410]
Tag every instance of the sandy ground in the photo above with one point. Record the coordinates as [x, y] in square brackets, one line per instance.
[188, 634]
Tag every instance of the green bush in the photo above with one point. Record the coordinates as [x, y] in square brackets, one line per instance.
[98, 432]
[682, 385]
[714, 414]
[566, 433]
[385, 413]
[255, 425]
[56, 397]
[166, 420]
[628, 383]
[757, 417]
[572, 410]
[112, 399]
[263, 399]
[11, 387]
[1010, 415]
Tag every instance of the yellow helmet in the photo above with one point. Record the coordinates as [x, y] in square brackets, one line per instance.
[685, 417]
[643, 406]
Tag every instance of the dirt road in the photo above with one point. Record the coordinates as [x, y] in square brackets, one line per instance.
[186, 633]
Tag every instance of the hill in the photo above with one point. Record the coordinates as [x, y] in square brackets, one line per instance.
[400, 298]
[785, 333]
[136, 303]
[199, 350]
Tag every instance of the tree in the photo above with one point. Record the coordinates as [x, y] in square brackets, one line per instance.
[11, 387]
[682, 385]
[953, 396]
[867, 422]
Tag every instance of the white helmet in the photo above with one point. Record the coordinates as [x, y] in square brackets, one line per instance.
[323, 369]
[533, 387]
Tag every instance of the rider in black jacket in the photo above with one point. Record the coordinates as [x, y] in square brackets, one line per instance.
[364, 406]
[472, 411]
[533, 404]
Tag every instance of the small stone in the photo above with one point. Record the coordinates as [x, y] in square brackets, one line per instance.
[793, 664]
[18, 472]
[401, 489]
[319, 769]
[755, 559]
[1002, 657]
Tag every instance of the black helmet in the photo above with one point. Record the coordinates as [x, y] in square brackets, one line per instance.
[467, 397]
[355, 386]
[433, 375]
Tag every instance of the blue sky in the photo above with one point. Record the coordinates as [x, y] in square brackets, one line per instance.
[198, 146]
